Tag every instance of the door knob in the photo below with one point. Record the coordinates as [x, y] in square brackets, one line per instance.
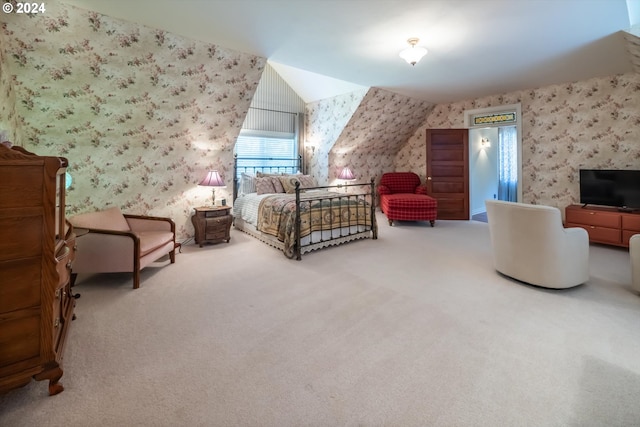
[429, 178]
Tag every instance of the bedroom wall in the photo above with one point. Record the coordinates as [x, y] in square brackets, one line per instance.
[8, 118]
[377, 130]
[593, 124]
[362, 130]
[141, 114]
[324, 122]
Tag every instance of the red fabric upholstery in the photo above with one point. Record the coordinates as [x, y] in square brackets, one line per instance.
[402, 198]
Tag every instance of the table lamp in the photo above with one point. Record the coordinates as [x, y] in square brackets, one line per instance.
[213, 179]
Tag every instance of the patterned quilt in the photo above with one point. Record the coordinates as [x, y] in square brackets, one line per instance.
[320, 211]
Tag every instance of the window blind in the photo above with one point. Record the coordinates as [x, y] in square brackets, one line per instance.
[264, 148]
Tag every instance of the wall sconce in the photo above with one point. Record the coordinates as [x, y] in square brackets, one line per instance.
[213, 179]
[413, 54]
[485, 143]
[310, 144]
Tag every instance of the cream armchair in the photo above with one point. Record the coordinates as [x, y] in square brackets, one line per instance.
[531, 245]
[634, 253]
[116, 242]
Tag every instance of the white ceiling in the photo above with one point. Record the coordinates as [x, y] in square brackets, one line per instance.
[476, 47]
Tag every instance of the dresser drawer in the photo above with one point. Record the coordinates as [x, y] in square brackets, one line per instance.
[219, 235]
[216, 224]
[216, 213]
[601, 234]
[20, 283]
[19, 337]
[631, 222]
[595, 218]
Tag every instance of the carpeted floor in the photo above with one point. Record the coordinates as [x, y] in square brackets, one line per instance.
[414, 329]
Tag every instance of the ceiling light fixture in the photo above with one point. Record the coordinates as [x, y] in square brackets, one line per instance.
[413, 54]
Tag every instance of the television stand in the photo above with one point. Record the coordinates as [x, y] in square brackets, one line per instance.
[606, 225]
[627, 210]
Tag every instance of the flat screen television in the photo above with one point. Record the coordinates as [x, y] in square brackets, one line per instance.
[617, 188]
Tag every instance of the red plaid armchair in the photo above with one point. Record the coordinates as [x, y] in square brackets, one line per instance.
[402, 198]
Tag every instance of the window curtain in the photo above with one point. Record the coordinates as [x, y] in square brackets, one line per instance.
[508, 161]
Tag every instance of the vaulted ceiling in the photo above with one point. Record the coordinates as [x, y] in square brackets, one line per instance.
[476, 47]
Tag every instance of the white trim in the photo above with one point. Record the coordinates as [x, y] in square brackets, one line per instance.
[266, 134]
[469, 114]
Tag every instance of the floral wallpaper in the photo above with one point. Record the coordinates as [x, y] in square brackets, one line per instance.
[377, 130]
[8, 117]
[362, 130]
[324, 122]
[140, 113]
[587, 124]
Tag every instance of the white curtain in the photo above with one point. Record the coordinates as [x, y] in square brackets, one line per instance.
[508, 161]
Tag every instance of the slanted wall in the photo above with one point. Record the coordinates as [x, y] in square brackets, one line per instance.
[140, 113]
[363, 130]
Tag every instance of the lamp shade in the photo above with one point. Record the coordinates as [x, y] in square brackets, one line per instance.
[346, 174]
[213, 179]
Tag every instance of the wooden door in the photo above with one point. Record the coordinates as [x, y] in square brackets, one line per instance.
[448, 171]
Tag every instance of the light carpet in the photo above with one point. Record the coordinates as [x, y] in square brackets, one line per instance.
[413, 329]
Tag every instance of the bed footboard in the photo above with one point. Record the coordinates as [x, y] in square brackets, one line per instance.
[328, 220]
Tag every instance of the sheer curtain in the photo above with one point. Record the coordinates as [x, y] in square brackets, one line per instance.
[508, 161]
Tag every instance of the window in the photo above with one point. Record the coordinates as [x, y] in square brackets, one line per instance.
[266, 149]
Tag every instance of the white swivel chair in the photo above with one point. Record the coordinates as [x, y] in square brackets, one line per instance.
[634, 254]
[531, 245]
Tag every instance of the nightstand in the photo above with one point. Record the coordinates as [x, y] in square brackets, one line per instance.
[212, 224]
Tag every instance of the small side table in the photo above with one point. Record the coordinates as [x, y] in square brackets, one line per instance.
[212, 224]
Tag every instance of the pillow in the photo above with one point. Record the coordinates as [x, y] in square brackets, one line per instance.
[307, 181]
[264, 185]
[277, 185]
[289, 183]
[247, 184]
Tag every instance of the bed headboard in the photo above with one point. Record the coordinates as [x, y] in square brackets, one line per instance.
[252, 165]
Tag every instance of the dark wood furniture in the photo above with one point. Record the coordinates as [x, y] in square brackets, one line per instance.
[212, 224]
[37, 247]
[605, 225]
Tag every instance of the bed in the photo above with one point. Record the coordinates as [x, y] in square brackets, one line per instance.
[289, 211]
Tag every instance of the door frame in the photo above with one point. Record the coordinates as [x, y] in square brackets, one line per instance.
[468, 123]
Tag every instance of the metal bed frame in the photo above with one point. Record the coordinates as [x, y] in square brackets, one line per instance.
[362, 197]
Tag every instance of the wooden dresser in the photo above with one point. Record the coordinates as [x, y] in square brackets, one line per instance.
[212, 224]
[37, 246]
[604, 225]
